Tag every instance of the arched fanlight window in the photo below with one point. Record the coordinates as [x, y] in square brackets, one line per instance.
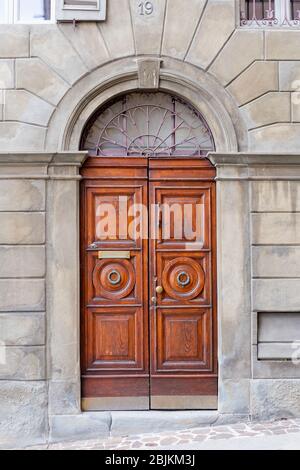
[148, 124]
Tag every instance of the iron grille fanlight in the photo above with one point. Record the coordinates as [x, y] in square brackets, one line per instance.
[148, 124]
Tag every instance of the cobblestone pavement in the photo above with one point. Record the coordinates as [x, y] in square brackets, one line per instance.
[189, 438]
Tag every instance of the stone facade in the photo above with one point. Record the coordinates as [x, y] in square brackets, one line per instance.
[244, 81]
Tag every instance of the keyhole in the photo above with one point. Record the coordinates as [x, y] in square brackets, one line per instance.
[114, 278]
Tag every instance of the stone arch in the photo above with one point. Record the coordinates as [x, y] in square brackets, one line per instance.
[119, 77]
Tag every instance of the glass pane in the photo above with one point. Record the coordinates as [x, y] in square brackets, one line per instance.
[33, 10]
[3, 12]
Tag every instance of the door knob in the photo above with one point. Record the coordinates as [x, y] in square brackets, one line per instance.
[159, 289]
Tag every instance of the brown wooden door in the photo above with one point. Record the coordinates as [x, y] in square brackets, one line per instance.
[115, 351]
[142, 348]
[182, 269]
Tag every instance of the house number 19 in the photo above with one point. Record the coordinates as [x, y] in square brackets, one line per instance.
[146, 8]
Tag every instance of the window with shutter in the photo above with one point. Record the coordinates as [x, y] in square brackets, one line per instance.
[80, 10]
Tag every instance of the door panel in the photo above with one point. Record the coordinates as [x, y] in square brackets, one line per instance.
[182, 339]
[188, 208]
[183, 316]
[114, 280]
[148, 223]
[185, 277]
[115, 361]
[115, 339]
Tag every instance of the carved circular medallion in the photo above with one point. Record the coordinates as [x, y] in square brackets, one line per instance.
[183, 278]
[113, 279]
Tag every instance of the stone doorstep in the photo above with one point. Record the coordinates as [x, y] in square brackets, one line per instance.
[125, 423]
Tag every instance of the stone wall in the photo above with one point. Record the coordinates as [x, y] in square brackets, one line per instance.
[259, 283]
[23, 388]
[276, 293]
[39, 271]
[259, 69]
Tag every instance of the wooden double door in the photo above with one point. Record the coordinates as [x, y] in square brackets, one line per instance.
[148, 284]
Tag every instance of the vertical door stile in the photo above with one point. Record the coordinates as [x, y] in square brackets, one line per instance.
[115, 362]
[183, 325]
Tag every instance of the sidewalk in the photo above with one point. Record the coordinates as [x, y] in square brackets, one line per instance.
[276, 435]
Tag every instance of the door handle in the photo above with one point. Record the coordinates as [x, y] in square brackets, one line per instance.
[158, 290]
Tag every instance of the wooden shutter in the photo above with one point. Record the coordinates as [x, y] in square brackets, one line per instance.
[80, 10]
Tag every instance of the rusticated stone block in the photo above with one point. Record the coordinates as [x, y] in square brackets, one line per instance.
[276, 228]
[23, 363]
[270, 108]
[117, 29]
[276, 295]
[14, 41]
[88, 42]
[22, 295]
[257, 80]
[276, 196]
[283, 45]
[275, 399]
[22, 261]
[243, 48]
[180, 26]
[23, 106]
[35, 76]
[212, 33]
[27, 228]
[18, 195]
[285, 137]
[23, 413]
[48, 43]
[276, 261]
[289, 75]
[7, 74]
[17, 329]
[21, 137]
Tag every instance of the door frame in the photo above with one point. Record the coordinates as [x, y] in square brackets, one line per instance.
[229, 131]
[161, 173]
[63, 284]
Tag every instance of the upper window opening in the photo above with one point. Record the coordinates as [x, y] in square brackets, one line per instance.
[148, 124]
[268, 13]
[27, 11]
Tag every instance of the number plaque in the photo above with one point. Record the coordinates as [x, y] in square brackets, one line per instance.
[146, 8]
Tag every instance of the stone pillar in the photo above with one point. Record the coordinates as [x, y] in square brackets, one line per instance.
[234, 287]
[63, 283]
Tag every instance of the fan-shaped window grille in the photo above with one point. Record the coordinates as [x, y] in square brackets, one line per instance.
[148, 124]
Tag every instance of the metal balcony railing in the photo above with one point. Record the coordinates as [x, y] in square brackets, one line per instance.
[268, 13]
